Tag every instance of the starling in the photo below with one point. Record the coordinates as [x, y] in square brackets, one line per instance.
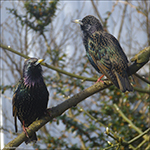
[105, 53]
[31, 96]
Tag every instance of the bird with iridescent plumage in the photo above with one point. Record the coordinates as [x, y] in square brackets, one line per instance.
[30, 97]
[105, 53]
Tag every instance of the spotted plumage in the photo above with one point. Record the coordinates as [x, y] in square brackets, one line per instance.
[31, 96]
[105, 53]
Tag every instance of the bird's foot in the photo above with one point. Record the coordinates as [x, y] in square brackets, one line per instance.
[99, 79]
[25, 130]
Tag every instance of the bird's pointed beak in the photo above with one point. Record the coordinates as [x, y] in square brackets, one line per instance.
[39, 61]
[78, 21]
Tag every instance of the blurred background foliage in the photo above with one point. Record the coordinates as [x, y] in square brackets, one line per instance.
[41, 30]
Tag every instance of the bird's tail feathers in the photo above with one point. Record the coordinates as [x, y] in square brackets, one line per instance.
[15, 119]
[124, 83]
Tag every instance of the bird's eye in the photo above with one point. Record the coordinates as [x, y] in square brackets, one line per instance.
[32, 64]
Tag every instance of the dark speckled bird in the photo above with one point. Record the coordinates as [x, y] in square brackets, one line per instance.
[31, 96]
[105, 53]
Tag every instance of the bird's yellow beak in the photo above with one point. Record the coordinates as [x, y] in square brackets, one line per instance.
[78, 21]
[39, 61]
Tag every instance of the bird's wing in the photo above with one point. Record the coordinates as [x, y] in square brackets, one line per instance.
[104, 66]
[14, 99]
[107, 53]
[113, 42]
[98, 52]
[92, 62]
[101, 54]
[14, 111]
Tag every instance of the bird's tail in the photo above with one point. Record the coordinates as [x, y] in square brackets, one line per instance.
[33, 139]
[123, 82]
[15, 119]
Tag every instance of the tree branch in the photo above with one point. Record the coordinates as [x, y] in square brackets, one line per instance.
[109, 132]
[143, 79]
[133, 6]
[74, 100]
[122, 21]
[139, 60]
[96, 11]
[139, 136]
[49, 66]
[126, 119]
[130, 122]
[141, 90]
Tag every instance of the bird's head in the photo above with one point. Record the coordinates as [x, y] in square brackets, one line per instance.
[89, 24]
[32, 70]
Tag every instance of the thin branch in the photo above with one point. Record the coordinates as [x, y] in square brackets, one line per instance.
[82, 143]
[113, 8]
[129, 121]
[139, 60]
[12, 50]
[126, 119]
[109, 132]
[140, 145]
[148, 147]
[96, 11]
[135, 7]
[139, 136]
[122, 21]
[49, 66]
[96, 120]
[110, 147]
[143, 79]
[141, 90]
[48, 47]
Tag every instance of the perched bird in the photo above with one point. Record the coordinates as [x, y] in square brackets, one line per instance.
[105, 53]
[31, 96]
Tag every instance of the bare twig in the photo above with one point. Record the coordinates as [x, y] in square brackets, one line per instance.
[122, 21]
[113, 134]
[141, 90]
[96, 10]
[139, 136]
[131, 5]
[129, 121]
[49, 66]
[143, 79]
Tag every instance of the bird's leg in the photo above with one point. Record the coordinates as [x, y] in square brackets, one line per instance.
[99, 79]
[25, 130]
